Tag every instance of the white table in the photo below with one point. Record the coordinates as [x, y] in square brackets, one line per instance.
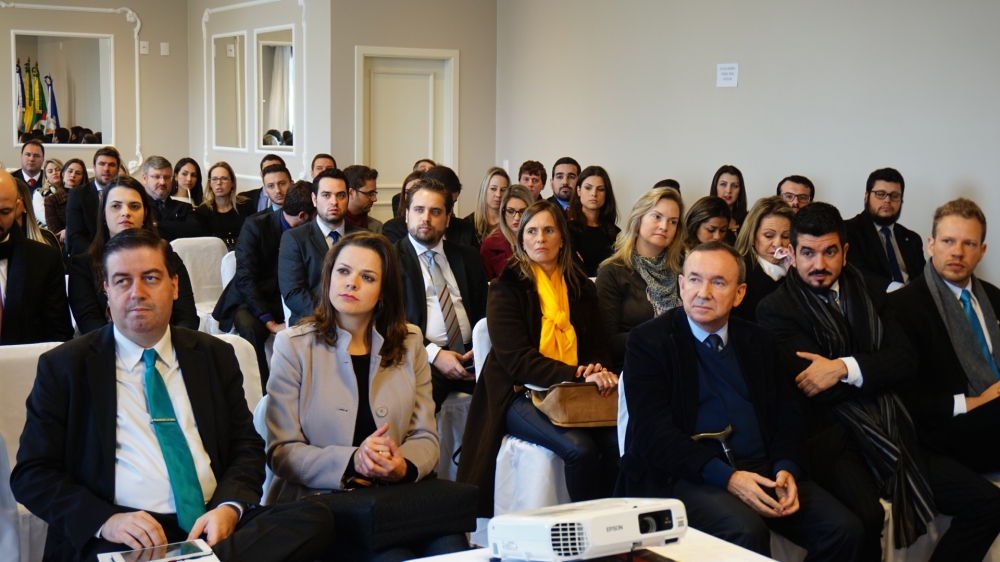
[696, 546]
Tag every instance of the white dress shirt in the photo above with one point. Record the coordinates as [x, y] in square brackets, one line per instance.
[960, 405]
[774, 271]
[436, 332]
[326, 230]
[854, 376]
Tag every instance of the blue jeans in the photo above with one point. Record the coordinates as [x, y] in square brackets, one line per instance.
[590, 454]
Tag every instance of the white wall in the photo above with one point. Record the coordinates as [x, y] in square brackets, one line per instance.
[830, 90]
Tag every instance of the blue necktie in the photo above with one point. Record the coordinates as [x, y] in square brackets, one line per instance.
[714, 342]
[897, 274]
[334, 237]
[977, 329]
[189, 500]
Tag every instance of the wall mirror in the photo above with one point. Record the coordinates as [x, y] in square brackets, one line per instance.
[229, 90]
[64, 81]
[275, 89]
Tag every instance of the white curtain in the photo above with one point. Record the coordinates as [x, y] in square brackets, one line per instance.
[278, 104]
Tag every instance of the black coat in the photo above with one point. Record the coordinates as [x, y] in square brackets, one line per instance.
[82, 207]
[759, 285]
[466, 266]
[40, 312]
[65, 471]
[300, 267]
[661, 390]
[929, 395]
[177, 220]
[624, 305]
[255, 284]
[459, 231]
[867, 253]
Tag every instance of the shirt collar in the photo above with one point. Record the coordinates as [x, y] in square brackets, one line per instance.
[700, 334]
[563, 204]
[878, 227]
[958, 290]
[420, 248]
[326, 230]
[131, 353]
[35, 177]
[774, 271]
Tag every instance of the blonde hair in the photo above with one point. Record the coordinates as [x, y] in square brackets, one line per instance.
[764, 207]
[234, 197]
[45, 178]
[483, 228]
[625, 244]
[521, 193]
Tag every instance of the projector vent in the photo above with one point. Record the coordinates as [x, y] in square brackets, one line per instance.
[569, 539]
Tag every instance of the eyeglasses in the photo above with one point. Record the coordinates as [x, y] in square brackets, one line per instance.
[792, 197]
[369, 194]
[218, 180]
[514, 213]
[881, 195]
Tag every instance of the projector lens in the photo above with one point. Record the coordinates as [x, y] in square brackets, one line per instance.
[647, 524]
[655, 522]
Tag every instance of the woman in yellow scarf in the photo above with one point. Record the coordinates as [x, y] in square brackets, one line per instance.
[545, 327]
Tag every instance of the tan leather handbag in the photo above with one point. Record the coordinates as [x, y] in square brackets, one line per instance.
[576, 404]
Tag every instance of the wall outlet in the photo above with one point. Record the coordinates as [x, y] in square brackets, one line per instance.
[143, 47]
[164, 49]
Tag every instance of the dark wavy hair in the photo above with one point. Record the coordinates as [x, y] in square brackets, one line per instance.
[86, 178]
[96, 250]
[388, 317]
[608, 215]
[198, 191]
[740, 207]
[708, 207]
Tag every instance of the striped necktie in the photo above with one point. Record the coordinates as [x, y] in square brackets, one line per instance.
[455, 342]
[977, 329]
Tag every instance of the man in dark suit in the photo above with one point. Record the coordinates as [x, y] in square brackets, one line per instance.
[251, 302]
[880, 246]
[32, 156]
[950, 316]
[138, 434]
[697, 370]
[83, 202]
[174, 219]
[459, 230]
[564, 174]
[303, 248]
[260, 197]
[33, 306]
[844, 353]
[445, 286]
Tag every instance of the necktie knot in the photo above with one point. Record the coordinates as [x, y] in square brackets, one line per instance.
[885, 231]
[334, 236]
[966, 298]
[32, 182]
[714, 342]
[149, 358]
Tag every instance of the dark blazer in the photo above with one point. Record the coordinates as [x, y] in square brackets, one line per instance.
[624, 305]
[939, 375]
[467, 267]
[225, 226]
[253, 195]
[177, 220]
[65, 472]
[89, 305]
[300, 266]
[19, 174]
[82, 207]
[255, 284]
[459, 231]
[44, 311]
[661, 390]
[867, 253]
[759, 285]
[514, 317]
[881, 369]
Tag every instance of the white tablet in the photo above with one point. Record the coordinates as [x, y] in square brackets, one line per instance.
[165, 553]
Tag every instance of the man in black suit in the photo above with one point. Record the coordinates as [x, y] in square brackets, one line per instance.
[138, 434]
[33, 306]
[950, 316]
[459, 230]
[251, 302]
[174, 219]
[880, 246]
[303, 248]
[697, 370]
[32, 156]
[83, 202]
[563, 182]
[260, 197]
[433, 267]
[844, 353]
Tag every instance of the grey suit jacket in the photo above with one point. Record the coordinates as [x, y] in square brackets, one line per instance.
[313, 404]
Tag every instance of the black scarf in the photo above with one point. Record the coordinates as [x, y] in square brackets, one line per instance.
[879, 423]
[13, 310]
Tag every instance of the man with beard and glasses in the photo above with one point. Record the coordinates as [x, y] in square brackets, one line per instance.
[445, 288]
[564, 174]
[879, 245]
[844, 353]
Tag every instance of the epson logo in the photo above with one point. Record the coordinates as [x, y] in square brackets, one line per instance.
[614, 528]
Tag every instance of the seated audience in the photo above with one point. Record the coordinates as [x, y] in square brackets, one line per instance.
[25, 217]
[303, 248]
[486, 217]
[362, 193]
[592, 214]
[74, 174]
[545, 329]
[84, 202]
[52, 172]
[251, 302]
[706, 221]
[697, 370]
[399, 199]
[222, 213]
[321, 163]
[728, 184]
[356, 350]
[639, 281]
[32, 286]
[423, 165]
[174, 219]
[124, 205]
[496, 248]
[880, 246]
[844, 353]
[763, 243]
[459, 231]
[445, 288]
[668, 183]
[950, 316]
[532, 175]
[797, 191]
[565, 173]
[61, 136]
[262, 196]
[139, 434]
[188, 182]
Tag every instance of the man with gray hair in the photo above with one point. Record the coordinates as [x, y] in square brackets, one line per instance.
[174, 218]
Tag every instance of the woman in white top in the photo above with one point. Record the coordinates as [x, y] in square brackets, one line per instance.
[764, 244]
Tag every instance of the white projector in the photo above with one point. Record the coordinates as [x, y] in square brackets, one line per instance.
[585, 530]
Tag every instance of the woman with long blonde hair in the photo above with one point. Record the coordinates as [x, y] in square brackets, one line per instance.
[764, 243]
[487, 216]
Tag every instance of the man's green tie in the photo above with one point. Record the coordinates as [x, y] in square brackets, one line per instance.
[188, 498]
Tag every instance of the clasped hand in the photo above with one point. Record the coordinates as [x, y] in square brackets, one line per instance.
[821, 375]
[747, 487]
[606, 381]
[379, 457]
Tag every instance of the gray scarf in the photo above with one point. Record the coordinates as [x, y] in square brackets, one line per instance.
[977, 369]
[661, 283]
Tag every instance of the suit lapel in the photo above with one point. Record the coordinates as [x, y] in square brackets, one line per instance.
[687, 372]
[318, 241]
[102, 378]
[410, 264]
[457, 265]
[749, 355]
[193, 363]
[875, 241]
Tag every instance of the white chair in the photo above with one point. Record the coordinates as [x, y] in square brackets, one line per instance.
[247, 358]
[9, 527]
[228, 269]
[260, 424]
[203, 258]
[451, 427]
